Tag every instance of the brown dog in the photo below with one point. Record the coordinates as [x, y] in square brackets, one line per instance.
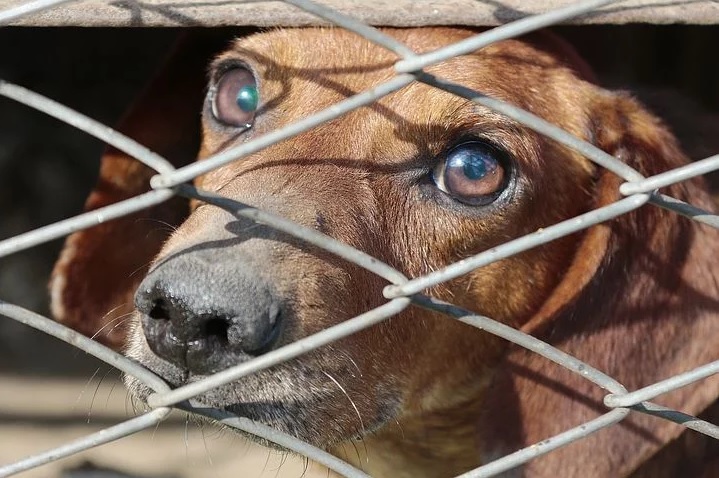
[420, 179]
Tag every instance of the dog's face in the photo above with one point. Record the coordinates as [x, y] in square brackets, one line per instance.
[419, 180]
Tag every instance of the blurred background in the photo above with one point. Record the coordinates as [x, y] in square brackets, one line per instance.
[50, 392]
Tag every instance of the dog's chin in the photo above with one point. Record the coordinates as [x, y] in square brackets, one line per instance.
[296, 398]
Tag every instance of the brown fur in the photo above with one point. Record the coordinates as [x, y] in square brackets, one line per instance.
[636, 297]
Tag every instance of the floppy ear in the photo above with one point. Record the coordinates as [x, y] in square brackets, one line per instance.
[94, 279]
[640, 302]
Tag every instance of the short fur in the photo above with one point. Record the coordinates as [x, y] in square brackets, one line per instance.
[635, 297]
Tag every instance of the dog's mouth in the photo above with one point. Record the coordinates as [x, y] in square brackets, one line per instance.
[296, 397]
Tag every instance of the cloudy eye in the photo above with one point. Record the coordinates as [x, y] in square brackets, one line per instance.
[472, 173]
[235, 98]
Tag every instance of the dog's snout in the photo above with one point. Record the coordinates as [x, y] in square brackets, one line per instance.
[206, 316]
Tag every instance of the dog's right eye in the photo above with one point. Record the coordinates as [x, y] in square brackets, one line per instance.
[235, 98]
[473, 173]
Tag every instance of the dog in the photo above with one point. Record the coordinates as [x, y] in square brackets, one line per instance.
[420, 179]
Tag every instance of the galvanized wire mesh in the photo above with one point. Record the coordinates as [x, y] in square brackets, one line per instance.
[402, 292]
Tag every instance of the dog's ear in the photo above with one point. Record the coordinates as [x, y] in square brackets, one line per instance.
[639, 302]
[94, 279]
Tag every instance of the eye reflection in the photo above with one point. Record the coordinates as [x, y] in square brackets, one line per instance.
[247, 98]
[472, 173]
[235, 98]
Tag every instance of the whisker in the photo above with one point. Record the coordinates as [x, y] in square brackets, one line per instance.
[154, 430]
[359, 457]
[112, 321]
[306, 466]
[204, 442]
[187, 438]
[94, 395]
[141, 267]
[401, 429]
[362, 428]
[283, 459]
[126, 318]
[128, 401]
[348, 398]
[109, 394]
[267, 462]
[347, 356]
[84, 389]
[170, 227]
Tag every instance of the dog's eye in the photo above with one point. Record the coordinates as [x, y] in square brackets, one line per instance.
[235, 98]
[472, 173]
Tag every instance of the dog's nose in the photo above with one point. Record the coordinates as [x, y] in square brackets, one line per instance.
[205, 315]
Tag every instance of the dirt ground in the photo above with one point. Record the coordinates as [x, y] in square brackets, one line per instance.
[39, 414]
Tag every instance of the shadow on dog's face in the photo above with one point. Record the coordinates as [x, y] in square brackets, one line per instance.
[419, 179]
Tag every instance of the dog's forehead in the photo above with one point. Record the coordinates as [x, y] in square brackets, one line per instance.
[334, 48]
[303, 71]
[341, 60]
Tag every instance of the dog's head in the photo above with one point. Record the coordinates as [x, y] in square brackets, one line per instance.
[419, 179]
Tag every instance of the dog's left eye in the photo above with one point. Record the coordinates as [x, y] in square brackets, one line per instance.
[235, 98]
[472, 173]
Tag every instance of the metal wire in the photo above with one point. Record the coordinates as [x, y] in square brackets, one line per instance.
[688, 421]
[671, 177]
[282, 439]
[516, 246]
[503, 32]
[687, 210]
[28, 8]
[401, 292]
[280, 355]
[82, 221]
[106, 435]
[190, 172]
[539, 125]
[306, 234]
[659, 388]
[527, 341]
[524, 455]
[348, 23]
[88, 125]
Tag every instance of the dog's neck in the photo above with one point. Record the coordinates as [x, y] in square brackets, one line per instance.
[440, 444]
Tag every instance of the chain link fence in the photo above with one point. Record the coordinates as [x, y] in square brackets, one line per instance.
[638, 191]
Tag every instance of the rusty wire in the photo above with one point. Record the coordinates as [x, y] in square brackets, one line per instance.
[401, 292]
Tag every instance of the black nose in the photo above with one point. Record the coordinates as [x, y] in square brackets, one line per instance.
[206, 315]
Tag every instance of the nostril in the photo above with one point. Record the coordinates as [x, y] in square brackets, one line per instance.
[258, 339]
[274, 314]
[159, 310]
[217, 328]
